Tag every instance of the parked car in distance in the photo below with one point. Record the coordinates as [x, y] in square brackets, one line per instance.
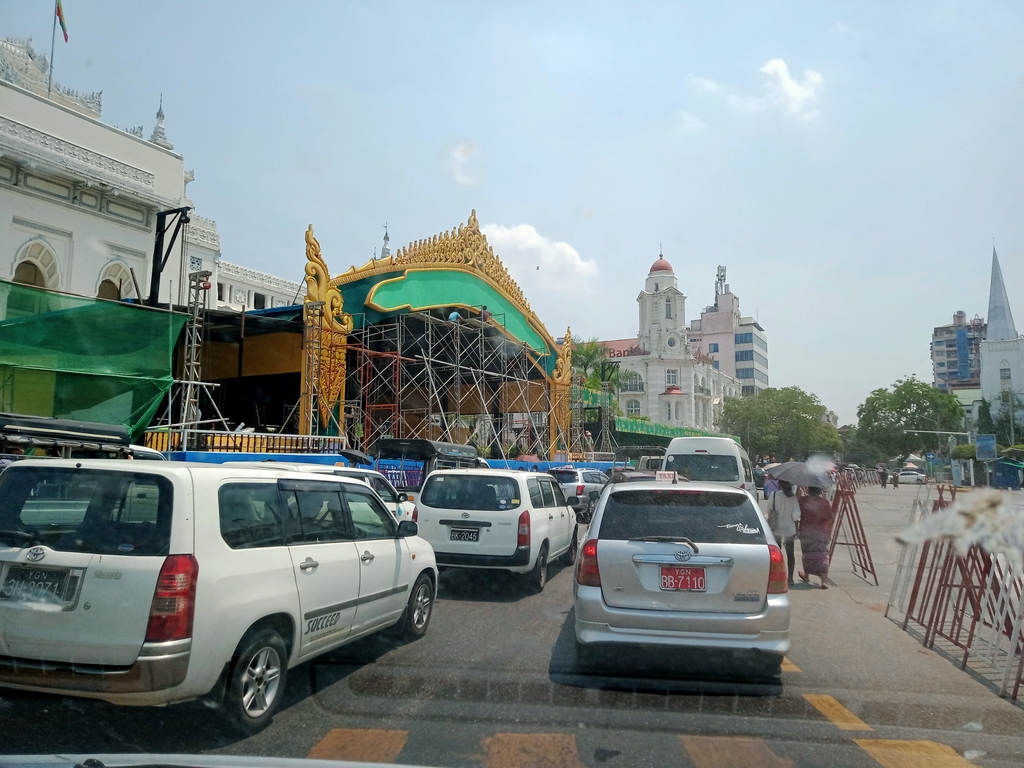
[913, 476]
[759, 477]
[499, 520]
[169, 581]
[687, 565]
[578, 482]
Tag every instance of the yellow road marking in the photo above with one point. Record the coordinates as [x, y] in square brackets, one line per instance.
[844, 719]
[912, 754]
[789, 666]
[729, 751]
[360, 745]
[532, 750]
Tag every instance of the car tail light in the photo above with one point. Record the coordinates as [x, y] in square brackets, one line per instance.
[524, 529]
[580, 490]
[777, 583]
[174, 600]
[415, 514]
[587, 574]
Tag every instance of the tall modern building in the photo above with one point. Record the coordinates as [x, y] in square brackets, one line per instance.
[956, 353]
[738, 345]
[1002, 351]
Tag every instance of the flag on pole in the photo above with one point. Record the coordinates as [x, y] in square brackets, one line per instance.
[60, 18]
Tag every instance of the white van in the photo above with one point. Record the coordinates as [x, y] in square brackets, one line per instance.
[710, 460]
[498, 519]
[160, 582]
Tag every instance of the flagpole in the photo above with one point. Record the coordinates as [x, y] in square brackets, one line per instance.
[53, 42]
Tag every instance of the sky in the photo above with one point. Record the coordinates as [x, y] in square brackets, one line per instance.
[851, 164]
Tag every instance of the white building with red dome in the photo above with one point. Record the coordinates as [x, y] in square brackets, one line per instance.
[663, 378]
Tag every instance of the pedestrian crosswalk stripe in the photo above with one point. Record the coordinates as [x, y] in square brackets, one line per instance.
[912, 754]
[789, 666]
[729, 751]
[843, 718]
[531, 750]
[360, 745]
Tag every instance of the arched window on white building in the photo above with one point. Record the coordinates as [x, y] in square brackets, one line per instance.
[632, 407]
[679, 411]
[668, 411]
[115, 282]
[37, 265]
[668, 309]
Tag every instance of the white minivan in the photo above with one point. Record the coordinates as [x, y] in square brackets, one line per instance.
[497, 519]
[161, 582]
[710, 460]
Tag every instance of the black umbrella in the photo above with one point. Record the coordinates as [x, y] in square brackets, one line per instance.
[356, 457]
[799, 473]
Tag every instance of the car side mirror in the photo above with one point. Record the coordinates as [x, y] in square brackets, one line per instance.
[403, 497]
[595, 495]
[407, 528]
[573, 501]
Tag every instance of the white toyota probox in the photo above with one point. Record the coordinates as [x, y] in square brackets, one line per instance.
[498, 519]
[158, 583]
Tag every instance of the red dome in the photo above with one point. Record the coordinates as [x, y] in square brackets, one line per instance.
[661, 265]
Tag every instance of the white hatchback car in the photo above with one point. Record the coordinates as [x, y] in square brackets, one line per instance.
[497, 519]
[681, 565]
[158, 583]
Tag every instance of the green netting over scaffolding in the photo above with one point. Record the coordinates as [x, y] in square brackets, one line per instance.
[81, 358]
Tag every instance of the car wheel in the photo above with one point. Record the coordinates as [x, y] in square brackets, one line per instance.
[419, 609]
[574, 543]
[257, 681]
[538, 577]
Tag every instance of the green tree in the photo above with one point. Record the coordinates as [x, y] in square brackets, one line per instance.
[887, 414]
[590, 360]
[784, 423]
[985, 425]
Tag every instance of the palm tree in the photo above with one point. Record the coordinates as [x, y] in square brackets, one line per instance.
[587, 356]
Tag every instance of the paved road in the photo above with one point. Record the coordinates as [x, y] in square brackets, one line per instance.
[494, 684]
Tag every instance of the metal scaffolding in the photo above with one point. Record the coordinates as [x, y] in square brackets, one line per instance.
[420, 376]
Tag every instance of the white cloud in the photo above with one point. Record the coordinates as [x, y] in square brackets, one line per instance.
[782, 91]
[461, 162]
[796, 97]
[841, 29]
[690, 123]
[538, 263]
[705, 85]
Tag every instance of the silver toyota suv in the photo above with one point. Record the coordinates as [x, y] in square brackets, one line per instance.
[579, 483]
[681, 565]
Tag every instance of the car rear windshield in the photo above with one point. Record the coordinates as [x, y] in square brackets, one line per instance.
[487, 493]
[77, 510]
[705, 467]
[720, 518]
[563, 475]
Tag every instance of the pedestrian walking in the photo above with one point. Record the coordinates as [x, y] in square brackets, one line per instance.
[816, 519]
[883, 475]
[895, 478]
[771, 485]
[784, 519]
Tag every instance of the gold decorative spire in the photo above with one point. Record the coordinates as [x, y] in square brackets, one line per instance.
[463, 248]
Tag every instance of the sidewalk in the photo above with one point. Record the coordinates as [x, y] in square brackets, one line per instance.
[843, 643]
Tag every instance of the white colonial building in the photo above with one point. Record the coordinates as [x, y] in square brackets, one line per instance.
[79, 199]
[1002, 351]
[663, 377]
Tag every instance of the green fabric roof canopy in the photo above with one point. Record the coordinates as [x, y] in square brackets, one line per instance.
[636, 426]
[85, 359]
